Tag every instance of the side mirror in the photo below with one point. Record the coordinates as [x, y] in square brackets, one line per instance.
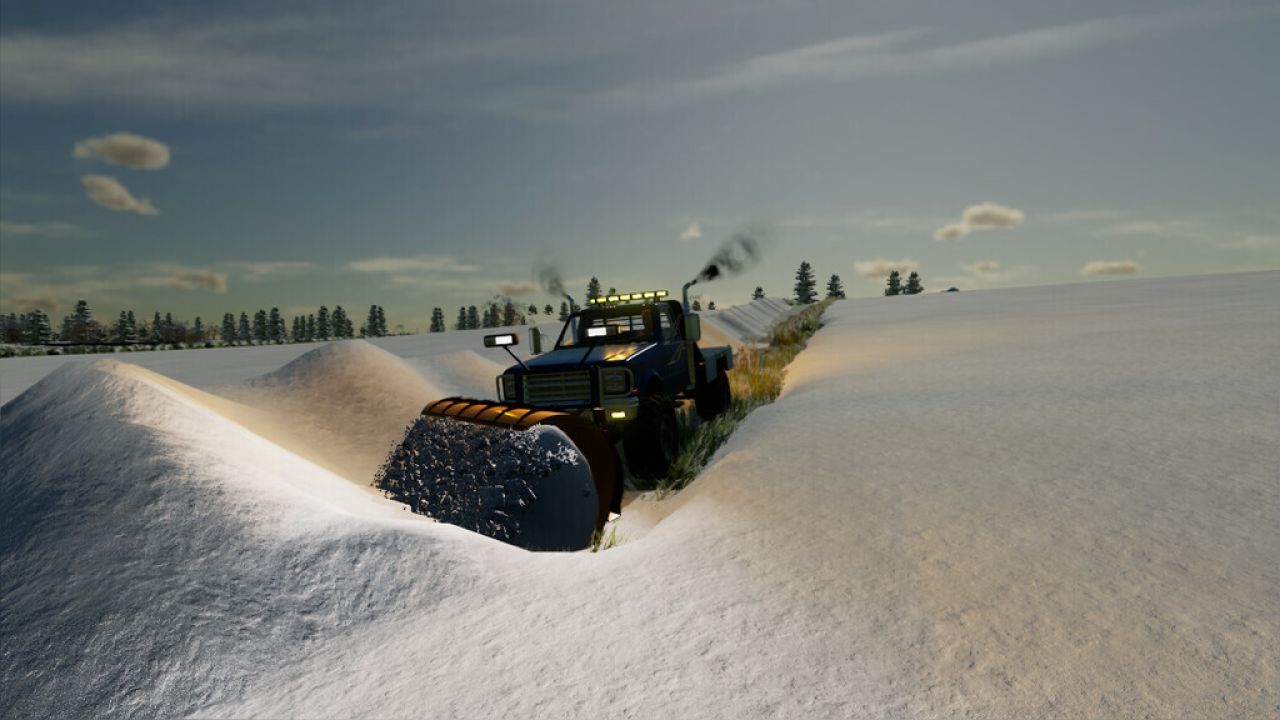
[502, 340]
[692, 328]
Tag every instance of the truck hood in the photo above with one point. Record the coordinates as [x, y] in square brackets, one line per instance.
[571, 358]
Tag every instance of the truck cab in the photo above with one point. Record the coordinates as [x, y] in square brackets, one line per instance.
[625, 361]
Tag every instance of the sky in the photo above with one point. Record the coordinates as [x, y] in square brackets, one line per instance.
[203, 158]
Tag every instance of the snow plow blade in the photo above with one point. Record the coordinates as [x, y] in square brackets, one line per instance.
[592, 443]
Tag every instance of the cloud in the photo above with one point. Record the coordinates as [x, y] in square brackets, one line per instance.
[1259, 242]
[256, 271]
[1150, 228]
[983, 216]
[893, 53]
[53, 230]
[109, 193]
[419, 263]
[127, 149]
[880, 268]
[693, 232]
[517, 289]
[954, 231]
[983, 267]
[189, 280]
[1110, 267]
[990, 216]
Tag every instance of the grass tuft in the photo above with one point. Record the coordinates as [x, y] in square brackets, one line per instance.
[756, 379]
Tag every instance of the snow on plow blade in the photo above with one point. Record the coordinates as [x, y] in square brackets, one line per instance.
[520, 481]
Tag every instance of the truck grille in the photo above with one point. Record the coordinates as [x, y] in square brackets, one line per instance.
[567, 388]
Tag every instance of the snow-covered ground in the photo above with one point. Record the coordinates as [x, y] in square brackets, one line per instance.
[1044, 502]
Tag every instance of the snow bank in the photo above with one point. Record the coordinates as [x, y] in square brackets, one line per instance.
[157, 556]
[749, 323]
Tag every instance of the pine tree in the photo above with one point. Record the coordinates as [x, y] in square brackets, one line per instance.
[593, 289]
[323, 328]
[310, 328]
[197, 331]
[835, 289]
[382, 322]
[564, 311]
[613, 291]
[913, 285]
[157, 328]
[133, 326]
[894, 287]
[228, 328]
[260, 326]
[39, 331]
[371, 322]
[170, 329]
[473, 318]
[711, 305]
[121, 333]
[244, 334]
[757, 293]
[533, 310]
[275, 326]
[461, 322]
[67, 333]
[509, 315]
[296, 329]
[805, 284]
[548, 310]
[339, 322]
[696, 306]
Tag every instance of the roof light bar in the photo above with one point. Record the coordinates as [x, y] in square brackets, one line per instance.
[627, 297]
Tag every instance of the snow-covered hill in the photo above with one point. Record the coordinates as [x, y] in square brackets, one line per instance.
[1057, 501]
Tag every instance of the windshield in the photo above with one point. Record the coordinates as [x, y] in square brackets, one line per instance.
[615, 326]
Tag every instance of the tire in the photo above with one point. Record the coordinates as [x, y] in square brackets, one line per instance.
[714, 398]
[652, 441]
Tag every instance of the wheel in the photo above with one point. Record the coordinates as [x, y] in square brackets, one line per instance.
[652, 441]
[714, 398]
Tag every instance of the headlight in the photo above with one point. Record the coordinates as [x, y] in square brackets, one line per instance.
[616, 381]
[509, 388]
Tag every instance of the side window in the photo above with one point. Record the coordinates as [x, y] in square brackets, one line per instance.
[664, 320]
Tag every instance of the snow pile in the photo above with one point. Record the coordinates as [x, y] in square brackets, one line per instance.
[749, 323]
[157, 556]
[1056, 501]
[343, 405]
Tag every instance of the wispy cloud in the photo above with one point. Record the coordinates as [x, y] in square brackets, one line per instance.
[880, 268]
[1111, 267]
[52, 229]
[518, 289]
[127, 149]
[255, 271]
[1150, 228]
[110, 194]
[412, 54]
[898, 52]
[181, 278]
[419, 263]
[1253, 242]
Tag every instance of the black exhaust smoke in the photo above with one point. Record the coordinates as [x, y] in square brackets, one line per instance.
[738, 254]
[549, 277]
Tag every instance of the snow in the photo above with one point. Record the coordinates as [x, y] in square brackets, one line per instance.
[1043, 502]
